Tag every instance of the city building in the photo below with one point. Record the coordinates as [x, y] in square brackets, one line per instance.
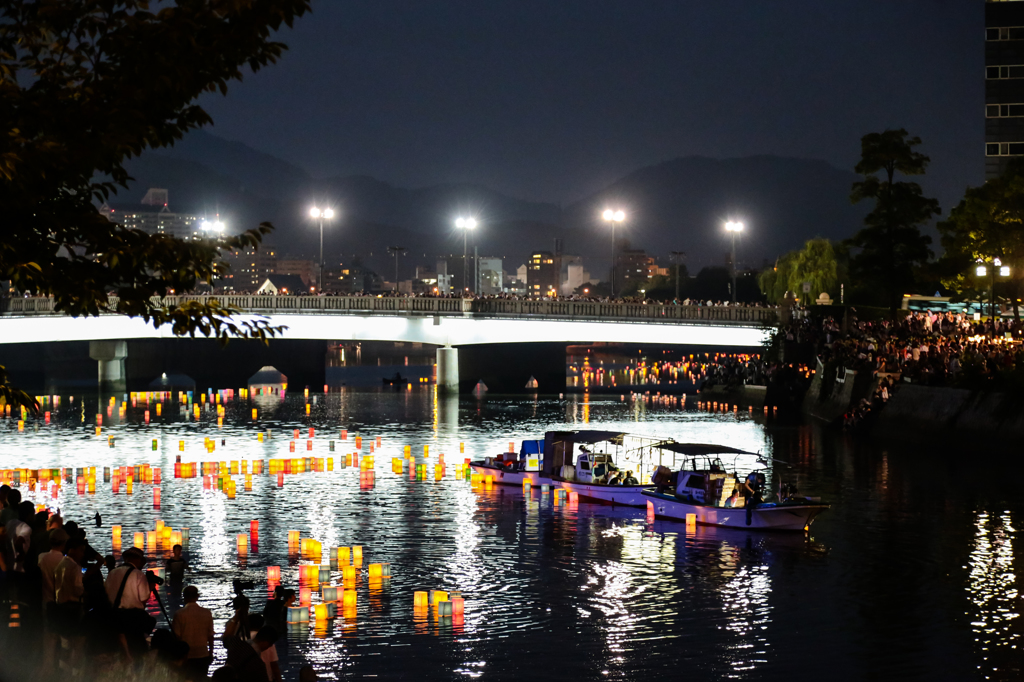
[351, 278]
[300, 267]
[248, 268]
[576, 277]
[633, 265]
[542, 274]
[1004, 84]
[492, 276]
[154, 216]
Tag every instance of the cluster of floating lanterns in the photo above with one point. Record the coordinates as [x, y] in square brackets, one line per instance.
[161, 538]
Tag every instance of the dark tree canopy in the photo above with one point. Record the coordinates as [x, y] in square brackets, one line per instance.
[84, 86]
[988, 224]
[889, 249]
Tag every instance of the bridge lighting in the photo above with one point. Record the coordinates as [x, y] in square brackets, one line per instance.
[733, 228]
[613, 216]
[320, 216]
[465, 224]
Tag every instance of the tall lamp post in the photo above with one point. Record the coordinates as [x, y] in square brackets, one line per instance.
[465, 224]
[396, 251]
[320, 216]
[1004, 271]
[677, 257]
[614, 217]
[733, 228]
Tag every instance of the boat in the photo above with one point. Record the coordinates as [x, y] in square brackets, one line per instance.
[704, 491]
[397, 380]
[508, 469]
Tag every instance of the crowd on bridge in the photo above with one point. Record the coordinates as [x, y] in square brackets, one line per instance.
[926, 348]
[70, 613]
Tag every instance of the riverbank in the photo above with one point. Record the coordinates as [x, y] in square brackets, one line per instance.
[914, 410]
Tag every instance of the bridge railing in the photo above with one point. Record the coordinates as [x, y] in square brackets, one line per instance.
[524, 308]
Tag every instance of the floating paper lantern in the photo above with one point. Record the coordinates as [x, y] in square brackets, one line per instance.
[242, 543]
[691, 520]
[444, 608]
[298, 614]
[419, 599]
[344, 556]
[175, 538]
[139, 540]
[151, 539]
[438, 596]
[273, 573]
[115, 532]
[357, 555]
[293, 537]
[330, 593]
[156, 497]
[458, 607]
[184, 537]
[348, 599]
[304, 597]
[254, 527]
[320, 612]
[375, 571]
[348, 574]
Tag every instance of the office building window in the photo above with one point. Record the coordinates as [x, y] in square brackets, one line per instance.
[1004, 110]
[1004, 149]
[1005, 33]
[1002, 72]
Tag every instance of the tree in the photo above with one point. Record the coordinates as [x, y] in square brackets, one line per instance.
[986, 225]
[774, 282]
[890, 246]
[814, 264]
[84, 86]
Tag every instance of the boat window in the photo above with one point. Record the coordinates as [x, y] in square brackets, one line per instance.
[585, 465]
[695, 481]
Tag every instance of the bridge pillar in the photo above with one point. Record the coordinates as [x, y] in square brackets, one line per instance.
[110, 356]
[448, 369]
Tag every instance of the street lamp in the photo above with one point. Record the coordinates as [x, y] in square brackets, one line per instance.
[465, 224]
[1004, 271]
[678, 257]
[212, 226]
[320, 216]
[613, 216]
[733, 228]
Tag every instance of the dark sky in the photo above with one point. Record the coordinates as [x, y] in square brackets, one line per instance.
[551, 99]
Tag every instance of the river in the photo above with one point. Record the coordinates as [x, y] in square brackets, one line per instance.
[910, 575]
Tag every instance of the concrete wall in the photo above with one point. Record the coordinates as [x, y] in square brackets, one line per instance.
[927, 411]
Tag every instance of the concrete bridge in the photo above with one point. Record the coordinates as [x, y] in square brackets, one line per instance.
[470, 324]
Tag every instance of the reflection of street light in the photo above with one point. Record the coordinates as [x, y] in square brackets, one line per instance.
[614, 217]
[733, 228]
[465, 224]
[320, 217]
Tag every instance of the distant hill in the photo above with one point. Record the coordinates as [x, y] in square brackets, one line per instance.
[678, 205]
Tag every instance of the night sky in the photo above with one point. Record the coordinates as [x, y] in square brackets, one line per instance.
[552, 99]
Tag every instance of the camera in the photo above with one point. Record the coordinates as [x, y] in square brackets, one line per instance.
[153, 578]
[242, 585]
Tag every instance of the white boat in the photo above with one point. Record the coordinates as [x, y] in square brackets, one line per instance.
[508, 469]
[711, 496]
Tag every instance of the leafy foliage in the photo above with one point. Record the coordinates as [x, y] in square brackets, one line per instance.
[890, 247]
[987, 224]
[86, 85]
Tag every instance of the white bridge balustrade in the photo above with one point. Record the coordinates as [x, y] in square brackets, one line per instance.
[437, 321]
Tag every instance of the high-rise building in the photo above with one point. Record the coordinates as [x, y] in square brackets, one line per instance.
[492, 275]
[1004, 84]
[248, 268]
[301, 267]
[542, 274]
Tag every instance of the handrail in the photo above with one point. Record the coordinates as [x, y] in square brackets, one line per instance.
[425, 306]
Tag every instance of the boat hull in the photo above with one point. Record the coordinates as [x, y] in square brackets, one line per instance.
[791, 517]
[626, 495]
[505, 477]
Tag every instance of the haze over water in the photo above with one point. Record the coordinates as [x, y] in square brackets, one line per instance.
[912, 574]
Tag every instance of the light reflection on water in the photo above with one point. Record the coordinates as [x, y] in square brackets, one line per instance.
[551, 592]
[994, 595]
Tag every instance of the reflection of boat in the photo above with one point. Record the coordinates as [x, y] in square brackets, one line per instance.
[704, 491]
[397, 380]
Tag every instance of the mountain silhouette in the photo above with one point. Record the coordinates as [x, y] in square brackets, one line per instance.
[677, 205]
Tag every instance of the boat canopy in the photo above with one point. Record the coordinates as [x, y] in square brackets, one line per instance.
[590, 437]
[701, 449]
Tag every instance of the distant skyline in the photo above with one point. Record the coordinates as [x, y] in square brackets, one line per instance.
[551, 101]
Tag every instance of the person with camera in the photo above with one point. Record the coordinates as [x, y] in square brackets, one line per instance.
[128, 588]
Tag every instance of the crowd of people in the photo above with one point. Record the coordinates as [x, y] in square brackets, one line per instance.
[925, 348]
[82, 615]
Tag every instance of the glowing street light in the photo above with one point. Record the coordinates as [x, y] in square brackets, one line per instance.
[465, 224]
[613, 216]
[733, 228]
[212, 226]
[1003, 271]
[320, 216]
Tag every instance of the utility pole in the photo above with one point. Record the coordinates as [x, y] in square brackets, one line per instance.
[678, 257]
[396, 251]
